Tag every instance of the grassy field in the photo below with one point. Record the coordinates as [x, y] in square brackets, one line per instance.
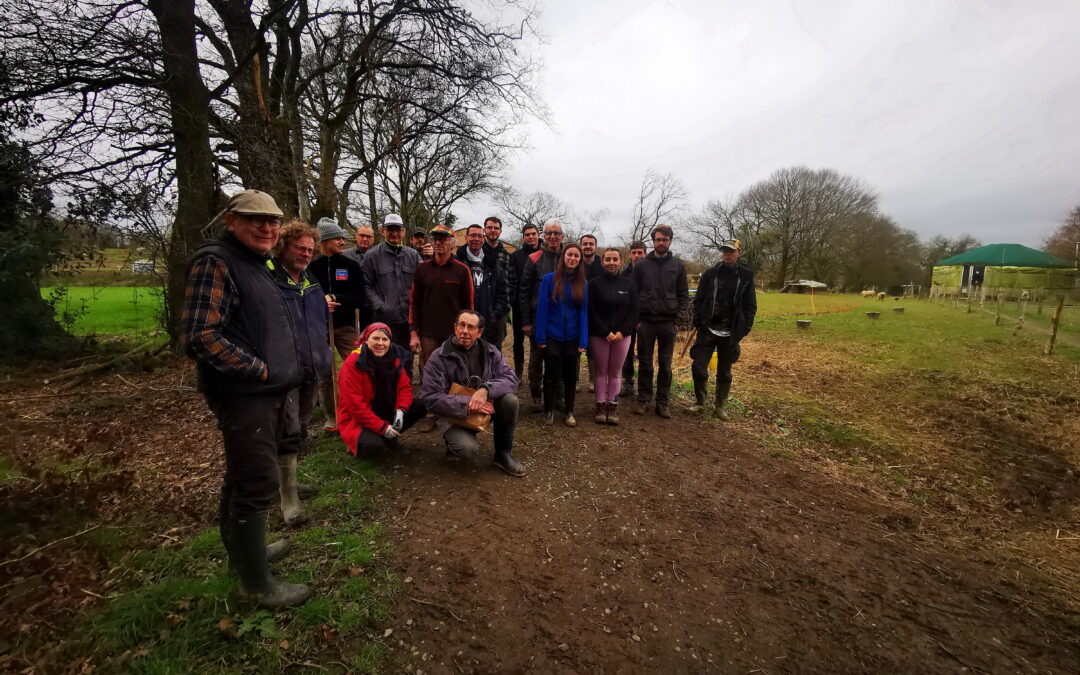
[112, 267]
[110, 310]
[964, 424]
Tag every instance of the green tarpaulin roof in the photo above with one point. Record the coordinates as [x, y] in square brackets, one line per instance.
[1005, 255]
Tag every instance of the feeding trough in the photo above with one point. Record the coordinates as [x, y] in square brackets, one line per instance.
[802, 323]
[873, 315]
[898, 310]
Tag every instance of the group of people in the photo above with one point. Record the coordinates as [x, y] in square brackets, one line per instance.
[263, 314]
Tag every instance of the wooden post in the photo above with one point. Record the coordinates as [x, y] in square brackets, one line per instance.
[1020, 321]
[1054, 326]
[1001, 301]
[1040, 305]
[971, 290]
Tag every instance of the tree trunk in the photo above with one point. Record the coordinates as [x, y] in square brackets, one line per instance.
[189, 110]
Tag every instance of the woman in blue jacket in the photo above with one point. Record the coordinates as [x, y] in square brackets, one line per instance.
[562, 328]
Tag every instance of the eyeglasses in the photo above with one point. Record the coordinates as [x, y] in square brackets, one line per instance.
[365, 236]
[302, 249]
[393, 227]
[661, 240]
[475, 235]
[273, 222]
[471, 327]
[552, 233]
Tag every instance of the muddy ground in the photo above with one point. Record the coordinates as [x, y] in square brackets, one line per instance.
[680, 545]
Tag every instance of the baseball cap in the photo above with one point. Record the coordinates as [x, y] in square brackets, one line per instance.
[418, 232]
[441, 231]
[393, 220]
[732, 244]
[253, 203]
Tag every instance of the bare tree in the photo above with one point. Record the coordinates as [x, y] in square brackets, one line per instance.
[660, 199]
[529, 209]
[1064, 241]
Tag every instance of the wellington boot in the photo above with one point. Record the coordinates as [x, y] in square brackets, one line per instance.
[722, 391]
[274, 552]
[537, 398]
[248, 531]
[601, 413]
[699, 396]
[292, 510]
[507, 463]
[613, 414]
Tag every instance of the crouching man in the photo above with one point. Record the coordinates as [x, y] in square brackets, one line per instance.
[467, 360]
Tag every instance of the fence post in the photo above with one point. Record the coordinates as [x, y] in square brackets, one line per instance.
[1001, 301]
[1020, 321]
[971, 290]
[1040, 307]
[1054, 326]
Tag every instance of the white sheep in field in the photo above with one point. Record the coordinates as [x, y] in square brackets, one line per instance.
[1025, 296]
[881, 295]
[867, 294]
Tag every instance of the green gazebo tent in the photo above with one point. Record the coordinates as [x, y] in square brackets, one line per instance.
[1012, 268]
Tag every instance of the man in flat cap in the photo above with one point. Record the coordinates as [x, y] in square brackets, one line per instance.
[724, 309]
[237, 327]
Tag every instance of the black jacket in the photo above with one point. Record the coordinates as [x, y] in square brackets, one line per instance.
[745, 301]
[663, 292]
[307, 303]
[262, 322]
[490, 295]
[538, 264]
[519, 259]
[613, 306]
[341, 277]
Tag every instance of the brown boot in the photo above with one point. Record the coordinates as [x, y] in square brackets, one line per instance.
[601, 413]
[613, 413]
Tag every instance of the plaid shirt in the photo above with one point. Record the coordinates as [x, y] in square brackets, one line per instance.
[210, 298]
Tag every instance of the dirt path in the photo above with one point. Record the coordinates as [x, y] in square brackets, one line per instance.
[679, 546]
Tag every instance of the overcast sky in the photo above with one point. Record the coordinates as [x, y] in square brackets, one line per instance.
[963, 116]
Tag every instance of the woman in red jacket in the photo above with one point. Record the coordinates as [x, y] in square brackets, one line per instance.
[375, 401]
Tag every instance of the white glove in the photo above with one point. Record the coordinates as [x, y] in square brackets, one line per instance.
[391, 432]
[399, 420]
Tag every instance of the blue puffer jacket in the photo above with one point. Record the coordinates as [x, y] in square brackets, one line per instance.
[560, 319]
[307, 303]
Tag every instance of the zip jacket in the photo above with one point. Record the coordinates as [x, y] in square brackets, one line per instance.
[388, 276]
[663, 293]
[613, 306]
[560, 319]
[744, 300]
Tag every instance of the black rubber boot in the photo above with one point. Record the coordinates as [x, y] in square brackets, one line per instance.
[700, 388]
[722, 391]
[248, 532]
[507, 463]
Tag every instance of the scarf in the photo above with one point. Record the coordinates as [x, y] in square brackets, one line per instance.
[477, 266]
[383, 371]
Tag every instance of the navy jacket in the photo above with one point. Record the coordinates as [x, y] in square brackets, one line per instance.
[307, 303]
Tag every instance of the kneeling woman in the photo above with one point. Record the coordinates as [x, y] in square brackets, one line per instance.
[375, 401]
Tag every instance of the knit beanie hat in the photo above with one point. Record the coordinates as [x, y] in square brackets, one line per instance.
[328, 229]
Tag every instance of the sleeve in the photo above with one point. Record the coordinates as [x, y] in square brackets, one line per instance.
[543, 305]
[209, 300]
[511, 285]
[415, 299]
[370, 273]
[682, 292]
[502, 279]
[703, 291]
[583, 321]
[404, 391]
[750, 311]
[354, 413]
[502, 380]
[468, 293]
[630, 317]
[596, 321]
[525, 296]
[434, 388]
